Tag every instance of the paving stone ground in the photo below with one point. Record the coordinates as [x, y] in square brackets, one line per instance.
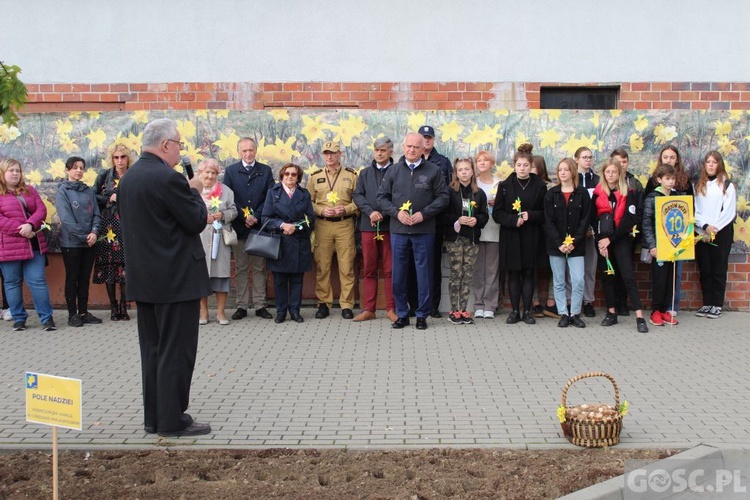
[335, 383]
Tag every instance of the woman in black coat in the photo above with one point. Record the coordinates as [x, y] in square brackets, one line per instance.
[519, 209]
[288, 210]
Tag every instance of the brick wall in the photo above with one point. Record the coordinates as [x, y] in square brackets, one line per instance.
[405, 96]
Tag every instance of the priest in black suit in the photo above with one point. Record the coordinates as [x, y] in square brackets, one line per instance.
[162, 218]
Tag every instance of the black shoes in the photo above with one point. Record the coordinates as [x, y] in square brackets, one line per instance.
[588, 310]
[513, 318]
[576, 321]
[400, 323]
[421, 323]
[49, 325]
[347, 313]
[240, 313]
[641, 325]
[263, 313]
[75, 320]
[195, 429]
[88, 319]
[611, 319]
[149, 429]
[19, 326]
[297, 318]
[537, 311]
[279, 318]
[433, 314]
[528, 318]
[564, 321]
[323, 312]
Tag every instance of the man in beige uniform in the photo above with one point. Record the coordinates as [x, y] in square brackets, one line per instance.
[331, 191]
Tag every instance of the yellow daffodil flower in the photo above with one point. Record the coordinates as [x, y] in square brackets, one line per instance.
[517, 205]
[561, 411]
[110, 235]
[634, 231]
[215, 203]
[246, 212]
[624, 408]
[332, 198]
[568, 240]
[406, 206]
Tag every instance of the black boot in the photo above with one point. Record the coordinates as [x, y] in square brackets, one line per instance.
[115, 316]
[124, 311]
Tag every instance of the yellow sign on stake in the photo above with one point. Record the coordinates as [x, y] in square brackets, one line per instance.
[54, 401]
[675, 228]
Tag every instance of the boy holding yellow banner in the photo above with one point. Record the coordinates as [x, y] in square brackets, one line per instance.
[668, 235]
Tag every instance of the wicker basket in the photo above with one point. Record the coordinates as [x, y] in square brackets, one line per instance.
[584, 427]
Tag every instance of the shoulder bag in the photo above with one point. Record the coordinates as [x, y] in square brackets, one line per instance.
[263, 244]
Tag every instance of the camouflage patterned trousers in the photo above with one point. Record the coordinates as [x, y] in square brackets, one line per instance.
[463, 255]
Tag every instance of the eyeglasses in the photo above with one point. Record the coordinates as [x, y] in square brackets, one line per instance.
[290, 174]
[182, 144]
[121, 157]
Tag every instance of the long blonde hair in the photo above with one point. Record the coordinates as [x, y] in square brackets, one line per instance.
[4, 166]
[622, 182]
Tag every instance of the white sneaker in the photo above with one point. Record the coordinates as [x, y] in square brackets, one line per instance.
[7, 316]
[479, 313]
[714, 313]
[489, 314]
[701, 313]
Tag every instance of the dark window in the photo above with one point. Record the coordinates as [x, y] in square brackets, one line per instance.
[578, 97]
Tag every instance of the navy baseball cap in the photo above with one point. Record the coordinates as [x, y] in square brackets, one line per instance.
[427, 130]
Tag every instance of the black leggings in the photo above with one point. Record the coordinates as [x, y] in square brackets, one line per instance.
[713, 264]
[521, 285]
[78, 265]
[621, 257]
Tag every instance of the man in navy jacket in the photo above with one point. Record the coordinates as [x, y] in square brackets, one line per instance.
[250, 181]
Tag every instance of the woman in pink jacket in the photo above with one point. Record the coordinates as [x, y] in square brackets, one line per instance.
[22, 246]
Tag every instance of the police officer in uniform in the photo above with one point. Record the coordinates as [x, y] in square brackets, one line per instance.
[331, 191]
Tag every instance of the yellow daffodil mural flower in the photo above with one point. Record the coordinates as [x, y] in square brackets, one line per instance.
[186, 129]
[132, 142]
[201, 113]
[347, 129]
[34, 177]
[595, 119]
[501, 112]
[67, 144]
[312, 128]
[726, 147]
[140, 116]
[640, 123]
[554, 114]
[636, 143]
[574, 143]
[51, 210]
[521, 138]
[742, 230]
[8, 134]
[615, 113]
[549, 138]
[504, 170]
[722, 128]
[74, 115]
[193, 153]
[94, 115]
[735, 114]
[742, 205]
[535, 114]
[651, 167]
[222, 113]
[279, 152]
[664, 134]
[64, 127]
[450, 131]
[56, 169]
[96, 138]
[279, 115]
[415, 120]
[89, 177]
[227, 145]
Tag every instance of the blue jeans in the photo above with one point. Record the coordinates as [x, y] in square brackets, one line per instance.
[422, 245]
[32, 272]
[576, 267]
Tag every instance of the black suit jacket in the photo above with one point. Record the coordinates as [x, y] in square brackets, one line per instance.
[162, 218]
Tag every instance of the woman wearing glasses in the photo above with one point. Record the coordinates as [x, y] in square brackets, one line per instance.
[109, 265]
[288, 210]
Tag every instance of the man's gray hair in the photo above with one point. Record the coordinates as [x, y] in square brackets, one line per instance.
[246, 138]
[383, 141]
[157, 132]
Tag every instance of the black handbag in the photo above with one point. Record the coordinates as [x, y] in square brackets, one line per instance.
[606, 226]
[263, 244]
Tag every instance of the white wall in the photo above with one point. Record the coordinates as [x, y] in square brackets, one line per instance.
[91, 41]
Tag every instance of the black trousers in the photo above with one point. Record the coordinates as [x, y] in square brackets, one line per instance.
[521, 287]
[621, 257]
[713, 264]
[78, 265]
[662, 278]
[168, 337]
[288, 288]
